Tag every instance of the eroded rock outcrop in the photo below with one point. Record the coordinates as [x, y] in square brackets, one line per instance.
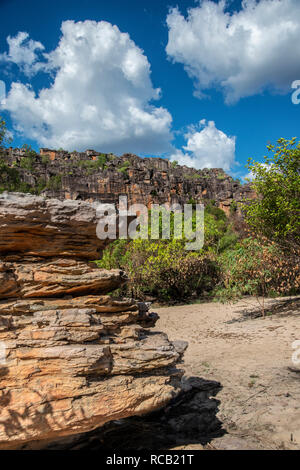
[73, 358]
[92, 176]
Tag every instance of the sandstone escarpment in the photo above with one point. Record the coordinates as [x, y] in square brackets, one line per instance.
[72, 357]
[92, 176]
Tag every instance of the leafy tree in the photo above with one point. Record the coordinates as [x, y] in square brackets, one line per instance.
[275, 213]
[4, 139]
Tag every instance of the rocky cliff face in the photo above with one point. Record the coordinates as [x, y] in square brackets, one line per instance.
[92, 177]
[72, 357]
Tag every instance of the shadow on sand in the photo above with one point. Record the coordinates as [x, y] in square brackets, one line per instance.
[279, 307]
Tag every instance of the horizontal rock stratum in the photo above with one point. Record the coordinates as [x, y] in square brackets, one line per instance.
[71, 358]
[92, 176]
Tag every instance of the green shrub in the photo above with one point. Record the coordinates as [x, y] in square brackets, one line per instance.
[45, 159]
[233, 207]
[102, 159]
[194, 176]
[54, 182]
[92, 165]
[163, 269]
[124, 168]
[27, 163]
[259, 268]
[41, 184]
[9, 177]
[10, 181]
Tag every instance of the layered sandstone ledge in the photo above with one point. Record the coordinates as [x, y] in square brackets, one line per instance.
[75, 358]
[145, 181]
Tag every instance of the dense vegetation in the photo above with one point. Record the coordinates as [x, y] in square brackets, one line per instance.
[164, 268]
[264, 261]
[21, 175]
[275, 214]
[259, 256]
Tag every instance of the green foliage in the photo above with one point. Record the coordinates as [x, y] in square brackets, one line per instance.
[259, 268]
[87, 163]
[27, 163]
[218, 213]
[124, 168]
[163, 269]
[124, 171]
[41, 184]
[192, 201]
[275, 213]
[10, 181]
[233, 207]
[9, 178]
[92, 165]
[4, 139]
[54, 182]
[102, 159]
[45, 159]
[194, 176]
[219, 234]
[174, 163]
[2, 131]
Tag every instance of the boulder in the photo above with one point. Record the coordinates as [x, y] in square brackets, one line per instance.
[72, 358]
[36, 226]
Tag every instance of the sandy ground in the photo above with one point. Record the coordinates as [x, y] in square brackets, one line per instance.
[251, 358]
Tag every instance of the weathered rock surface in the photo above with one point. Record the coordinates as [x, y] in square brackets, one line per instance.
[188, 422]
[78, 176]
[36, 226]
[74, 358]
[56, 277]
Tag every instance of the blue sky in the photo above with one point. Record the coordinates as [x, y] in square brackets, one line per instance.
[228, 68]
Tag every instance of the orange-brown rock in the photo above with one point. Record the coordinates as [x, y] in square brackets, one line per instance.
[146, 180]
[56, 277]
[74, 358]
[36, 226]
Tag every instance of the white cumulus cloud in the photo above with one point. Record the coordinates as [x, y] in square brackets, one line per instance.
[23, 52]
[206, 147]
[244, 52]
[101, 96]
